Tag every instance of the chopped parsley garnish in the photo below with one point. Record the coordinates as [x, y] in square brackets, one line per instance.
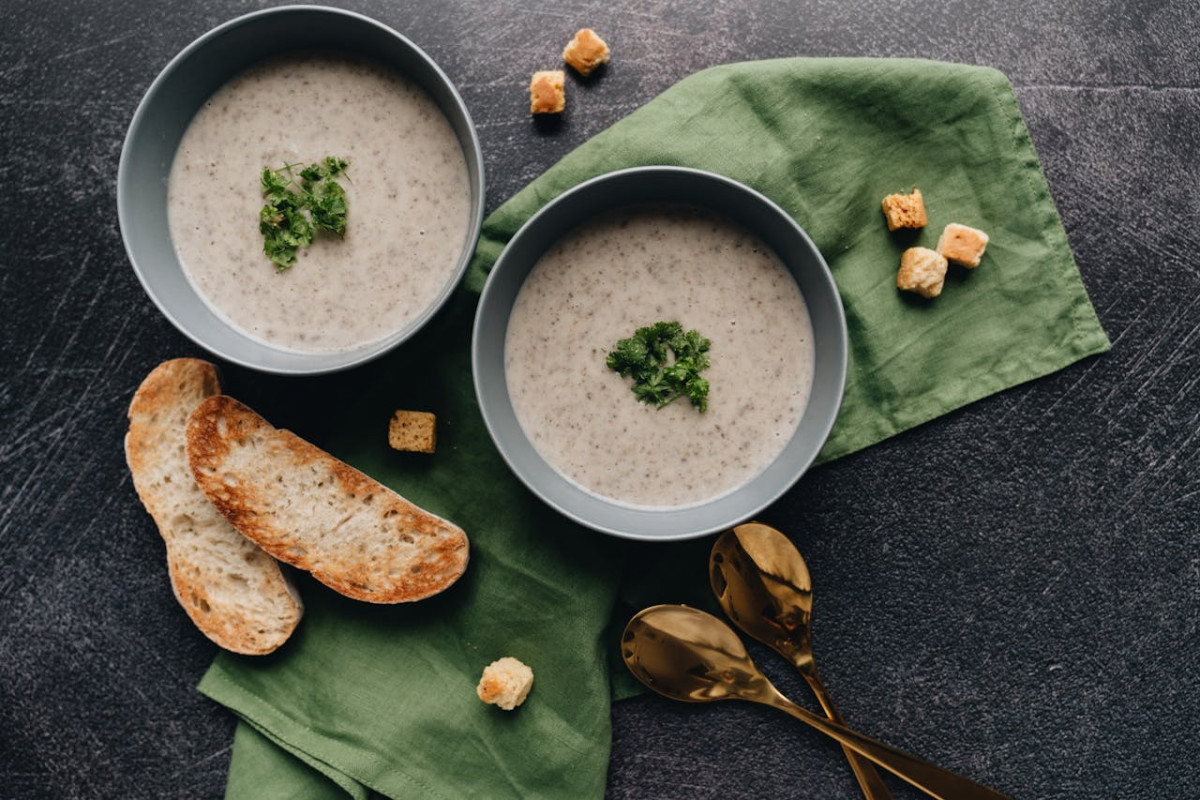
[665, 363]
[296, 209]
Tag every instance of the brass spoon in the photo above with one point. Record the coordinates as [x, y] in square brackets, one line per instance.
[761, 581]
[685, 654]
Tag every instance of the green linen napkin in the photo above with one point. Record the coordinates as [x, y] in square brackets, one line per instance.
[381, 699]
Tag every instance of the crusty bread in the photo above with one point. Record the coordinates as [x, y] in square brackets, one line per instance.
[305, 507]
[233, 591]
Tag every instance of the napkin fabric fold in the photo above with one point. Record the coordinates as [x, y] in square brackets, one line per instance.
[380, 700]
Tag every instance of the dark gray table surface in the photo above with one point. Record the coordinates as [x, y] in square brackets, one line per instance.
[1011, 591]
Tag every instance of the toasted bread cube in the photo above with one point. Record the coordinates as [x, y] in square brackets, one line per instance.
[586, 52]
[414, 431]
[962, 245]
[905, 210]
[505, 683]
[546, 94]
[922, 271]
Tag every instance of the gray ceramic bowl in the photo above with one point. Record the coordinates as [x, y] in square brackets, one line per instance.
[660, 185]
[163, 116]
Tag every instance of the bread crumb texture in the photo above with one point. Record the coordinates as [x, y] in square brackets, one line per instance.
[546, 94]
[962, 245]
[413, 431]
[505, 683]
[586, 52]
[905, 210]
[922, 271]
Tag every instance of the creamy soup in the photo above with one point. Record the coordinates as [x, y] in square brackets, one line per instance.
[407, 190]
[631, 269]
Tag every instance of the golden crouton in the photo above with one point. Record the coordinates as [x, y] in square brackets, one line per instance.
[962, 245]
[413, 431]
[505, 683]
[905, 210]
[586, 52]
[546, 95]
[922, 271]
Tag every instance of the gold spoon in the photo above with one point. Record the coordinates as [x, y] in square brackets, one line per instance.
[685, 654]
[761, 581]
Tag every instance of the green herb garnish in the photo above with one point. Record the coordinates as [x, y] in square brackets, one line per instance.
[296, 209]
[665, 364]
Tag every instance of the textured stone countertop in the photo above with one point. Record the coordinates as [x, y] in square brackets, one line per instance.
[1028, 617]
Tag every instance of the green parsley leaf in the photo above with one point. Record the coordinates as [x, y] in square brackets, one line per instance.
[294, 211]
[335, 166]
[665, 363]
[328, 206]
[274, 185]
[312, 173]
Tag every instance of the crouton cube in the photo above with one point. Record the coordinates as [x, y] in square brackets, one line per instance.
[962, 245]
[414, 431]
[546, 94]
[905, 210]
[922, 271]
[505, 683]
[586, 52]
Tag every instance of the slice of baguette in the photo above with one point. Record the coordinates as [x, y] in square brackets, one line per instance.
[234, 592]
[305, 507]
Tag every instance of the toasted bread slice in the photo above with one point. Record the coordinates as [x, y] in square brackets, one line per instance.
[234, 592]
[305, 507]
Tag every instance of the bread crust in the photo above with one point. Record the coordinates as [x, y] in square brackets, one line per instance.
[233, 591]
[310, 510]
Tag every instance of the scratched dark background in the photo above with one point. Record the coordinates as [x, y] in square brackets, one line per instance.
[1011, 591]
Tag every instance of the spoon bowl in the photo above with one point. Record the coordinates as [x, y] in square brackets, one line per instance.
[679, 653]
[763, 585]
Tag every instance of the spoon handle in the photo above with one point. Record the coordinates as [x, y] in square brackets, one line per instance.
[929, 778]
[869, 779]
